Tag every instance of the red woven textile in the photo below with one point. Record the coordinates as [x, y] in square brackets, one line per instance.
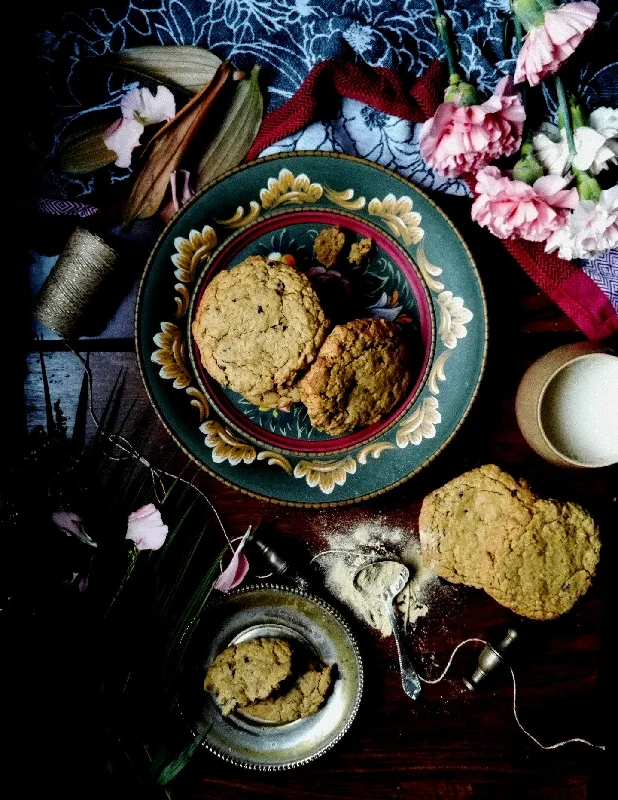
[387, 91]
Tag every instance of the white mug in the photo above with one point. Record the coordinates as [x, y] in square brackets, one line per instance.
[567, 406]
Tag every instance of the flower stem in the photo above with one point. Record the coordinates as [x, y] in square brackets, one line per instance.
[443, 28]
[566, 115]
[132, 558]
[519, 37]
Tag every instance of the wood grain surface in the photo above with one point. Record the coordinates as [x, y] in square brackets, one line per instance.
[451, 742]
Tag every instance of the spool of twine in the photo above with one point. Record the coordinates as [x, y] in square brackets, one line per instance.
[72, 286]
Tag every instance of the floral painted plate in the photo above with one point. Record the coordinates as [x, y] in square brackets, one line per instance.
[419, 272]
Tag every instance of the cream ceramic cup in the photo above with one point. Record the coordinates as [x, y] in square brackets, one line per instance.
[567, 406]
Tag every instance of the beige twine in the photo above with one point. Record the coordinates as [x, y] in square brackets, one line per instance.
[73, 283]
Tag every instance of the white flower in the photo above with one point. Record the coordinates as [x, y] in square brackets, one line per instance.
[596, 144]
[140, 107]
[590, 229]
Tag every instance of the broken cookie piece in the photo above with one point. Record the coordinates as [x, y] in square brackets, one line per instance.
[328, 244]
[359, 251]
[249, 671]
[303, 699]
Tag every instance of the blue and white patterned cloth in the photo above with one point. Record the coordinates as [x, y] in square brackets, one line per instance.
[287, 38]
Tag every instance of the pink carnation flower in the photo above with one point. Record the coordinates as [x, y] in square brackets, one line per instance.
[548, 45]
[463, 139]
[146, 529]
[514, 209]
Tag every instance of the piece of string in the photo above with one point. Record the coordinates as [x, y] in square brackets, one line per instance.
[521, 727]
[127, 448]
[450, 661]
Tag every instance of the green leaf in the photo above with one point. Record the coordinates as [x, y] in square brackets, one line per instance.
[169, 772]
[236, 133]
[186, 626]
[183, 66]
[85, 151]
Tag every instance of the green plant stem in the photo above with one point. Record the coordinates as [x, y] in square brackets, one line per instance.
[442, 26]
[133, 554]
[566, 115]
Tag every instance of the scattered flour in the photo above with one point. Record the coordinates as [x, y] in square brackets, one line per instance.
[372, 542]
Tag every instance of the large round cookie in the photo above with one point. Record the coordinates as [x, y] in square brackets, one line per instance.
[259, 325]
[361, 373]
[485, 529]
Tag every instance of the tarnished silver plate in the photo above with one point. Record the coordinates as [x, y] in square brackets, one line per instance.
[272, 610]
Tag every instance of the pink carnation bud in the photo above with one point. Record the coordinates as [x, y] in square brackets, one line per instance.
[513, 209]
[146, 529]
[464, 139]
[548, 45]
[71, 524]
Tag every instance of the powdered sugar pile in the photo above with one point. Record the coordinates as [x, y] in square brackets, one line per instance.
[371, 542]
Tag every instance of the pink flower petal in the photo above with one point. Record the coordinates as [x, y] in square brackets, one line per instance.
[464, 139]
[236, 570]
[72, 525]
[234, 573]
[513, 209]
[123, 137]
[146, 529]
[546, 47]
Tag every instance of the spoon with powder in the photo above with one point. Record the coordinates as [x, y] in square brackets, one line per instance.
[388, 578]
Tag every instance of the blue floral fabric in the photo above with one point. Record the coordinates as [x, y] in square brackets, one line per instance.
[287, 38]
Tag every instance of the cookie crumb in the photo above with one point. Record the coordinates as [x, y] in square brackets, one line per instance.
[328, 244]
[359, 251]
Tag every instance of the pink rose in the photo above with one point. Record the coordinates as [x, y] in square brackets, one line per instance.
[463, 139]
[547, 45]
[514, 209]
[146, 528]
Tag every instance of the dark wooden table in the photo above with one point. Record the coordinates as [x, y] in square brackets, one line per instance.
[451, 742]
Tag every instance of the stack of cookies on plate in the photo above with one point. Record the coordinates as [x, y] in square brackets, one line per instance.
[262, 332]
[268, 680]
[486, 529]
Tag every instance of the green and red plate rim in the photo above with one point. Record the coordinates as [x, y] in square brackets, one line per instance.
[142, 357]
[340, 444]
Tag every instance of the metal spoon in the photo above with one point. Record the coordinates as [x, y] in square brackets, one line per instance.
[409, 678]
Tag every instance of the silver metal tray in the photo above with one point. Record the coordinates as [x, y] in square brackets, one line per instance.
[273, 610]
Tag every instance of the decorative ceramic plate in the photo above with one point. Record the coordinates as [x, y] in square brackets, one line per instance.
[310, 624]
[419, 272]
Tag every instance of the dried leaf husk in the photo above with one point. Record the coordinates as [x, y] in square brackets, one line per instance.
[85, 151]
[167, 147]
[183, 66]
[237, 132]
